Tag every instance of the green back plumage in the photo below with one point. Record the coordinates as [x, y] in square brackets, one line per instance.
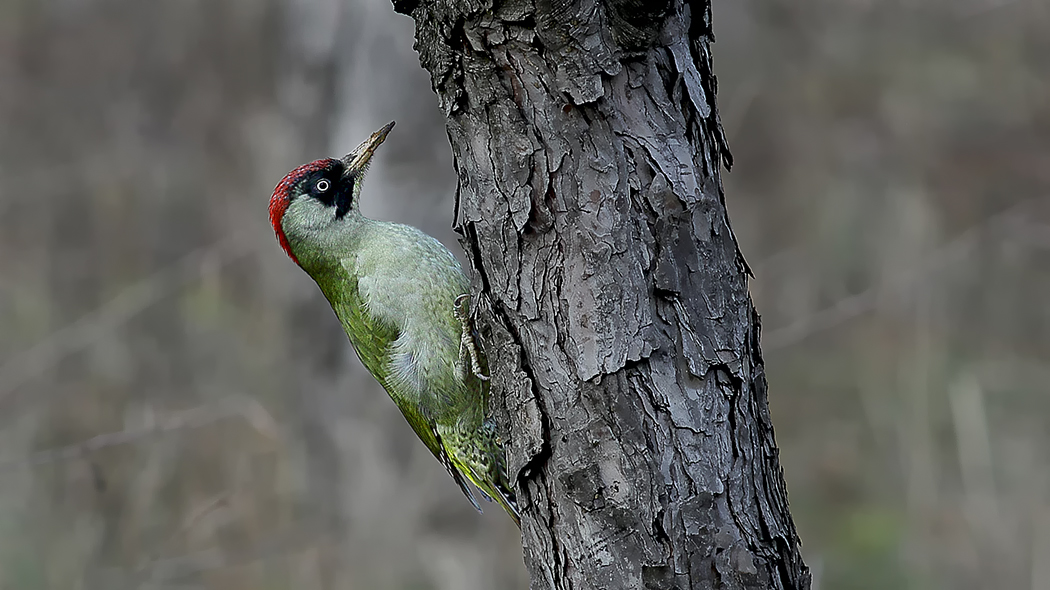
[394, 288]
[371, 340]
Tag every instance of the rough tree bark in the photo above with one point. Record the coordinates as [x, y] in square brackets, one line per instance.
[611, 293]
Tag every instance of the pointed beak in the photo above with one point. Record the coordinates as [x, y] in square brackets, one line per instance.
[358, 159]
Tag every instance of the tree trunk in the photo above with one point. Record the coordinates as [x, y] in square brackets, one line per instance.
[611, 294]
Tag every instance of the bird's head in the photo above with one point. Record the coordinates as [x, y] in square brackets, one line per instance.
[316, 197]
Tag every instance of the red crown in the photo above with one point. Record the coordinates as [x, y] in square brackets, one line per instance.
[282, 197]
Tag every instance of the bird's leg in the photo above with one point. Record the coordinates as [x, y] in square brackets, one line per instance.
[467, 345]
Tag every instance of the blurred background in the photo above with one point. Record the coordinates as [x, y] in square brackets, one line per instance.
[180, 410]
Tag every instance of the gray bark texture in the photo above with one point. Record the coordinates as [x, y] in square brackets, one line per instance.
[611, 296]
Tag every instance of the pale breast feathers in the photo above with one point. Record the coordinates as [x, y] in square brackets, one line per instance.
[416, 356]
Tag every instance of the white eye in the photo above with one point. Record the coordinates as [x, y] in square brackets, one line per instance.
[323, 185]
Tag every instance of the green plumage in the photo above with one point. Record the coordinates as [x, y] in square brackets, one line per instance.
[394, 289]
[395, 294]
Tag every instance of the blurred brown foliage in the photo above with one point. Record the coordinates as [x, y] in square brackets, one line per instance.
[179, 409]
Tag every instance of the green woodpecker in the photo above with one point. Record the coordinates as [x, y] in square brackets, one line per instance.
[402, 299]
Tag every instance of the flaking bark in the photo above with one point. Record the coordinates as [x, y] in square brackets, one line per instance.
[610, 291]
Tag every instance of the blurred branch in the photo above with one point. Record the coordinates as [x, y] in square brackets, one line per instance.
[24, 366]
[191, 419]
[850, 307]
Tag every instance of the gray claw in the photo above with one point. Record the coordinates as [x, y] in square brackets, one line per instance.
[467, 345]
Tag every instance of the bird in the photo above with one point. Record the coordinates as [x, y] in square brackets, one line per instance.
[404, 301]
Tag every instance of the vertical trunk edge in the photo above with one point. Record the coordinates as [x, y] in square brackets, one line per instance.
[611, 293]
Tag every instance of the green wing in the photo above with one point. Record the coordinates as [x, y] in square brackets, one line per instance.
[371, 339]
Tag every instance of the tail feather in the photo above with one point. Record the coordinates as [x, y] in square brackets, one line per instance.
[502, 495]
[506, 499]
[454, 470]
[483, 466]
[466, 490]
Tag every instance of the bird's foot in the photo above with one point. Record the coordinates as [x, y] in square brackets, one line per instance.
[467, 345]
